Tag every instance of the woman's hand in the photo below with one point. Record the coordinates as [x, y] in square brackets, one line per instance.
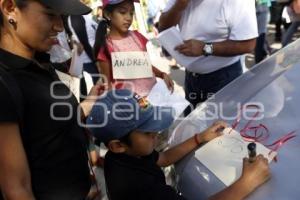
[96, 91]
[169, 82]
[87, 105]
[212, 132]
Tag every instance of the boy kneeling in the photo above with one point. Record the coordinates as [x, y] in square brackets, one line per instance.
[128, 125]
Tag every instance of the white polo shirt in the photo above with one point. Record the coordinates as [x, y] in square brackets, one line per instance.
[215, 21]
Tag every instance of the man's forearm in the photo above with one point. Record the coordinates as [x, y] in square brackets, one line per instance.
[227, 48]
[170, 18]
[233, 48]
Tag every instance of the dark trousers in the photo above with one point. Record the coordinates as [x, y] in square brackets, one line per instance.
[276, 18]
[260, 49]
[288, 35]
[199, 87]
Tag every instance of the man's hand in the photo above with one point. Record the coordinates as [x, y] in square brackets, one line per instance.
[193, 48]
[256, 173]
[212, 132]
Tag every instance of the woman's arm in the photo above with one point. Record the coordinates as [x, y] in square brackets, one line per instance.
[98, 89]
[15, 180]
[88, 103]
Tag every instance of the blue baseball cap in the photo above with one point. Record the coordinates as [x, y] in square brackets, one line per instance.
[120, 112]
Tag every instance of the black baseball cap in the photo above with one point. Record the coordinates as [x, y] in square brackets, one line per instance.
[67, 7]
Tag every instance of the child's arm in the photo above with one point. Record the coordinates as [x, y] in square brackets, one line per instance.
[253, 175]
[176, 153]
[168, 80]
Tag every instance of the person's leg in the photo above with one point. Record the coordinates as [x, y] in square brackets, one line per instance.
[201, 87]
[262, 21]
[279, 21]
[273, 12]
[193, 92]
[287, 37]
[223, 77]
[260, 52]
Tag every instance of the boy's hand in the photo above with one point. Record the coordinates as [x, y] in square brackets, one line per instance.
[256, 173]
[212, 132]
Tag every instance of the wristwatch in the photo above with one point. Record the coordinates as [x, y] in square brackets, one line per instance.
[208, 49]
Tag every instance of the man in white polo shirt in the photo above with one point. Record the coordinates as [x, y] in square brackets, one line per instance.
[216, 31]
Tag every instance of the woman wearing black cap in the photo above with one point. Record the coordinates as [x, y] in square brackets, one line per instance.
[42, 147]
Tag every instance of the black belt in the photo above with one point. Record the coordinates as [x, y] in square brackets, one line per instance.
[194, 74]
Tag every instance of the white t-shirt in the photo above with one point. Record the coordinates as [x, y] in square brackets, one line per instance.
[215, 21]
[91, 27]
